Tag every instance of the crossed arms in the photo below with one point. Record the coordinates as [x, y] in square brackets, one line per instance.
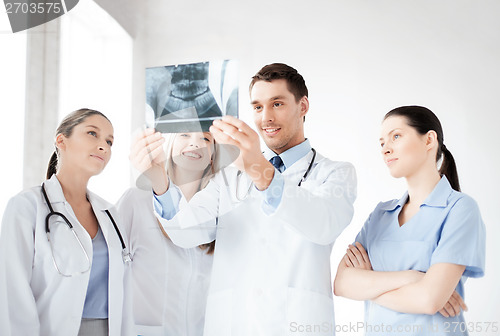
[409, 291]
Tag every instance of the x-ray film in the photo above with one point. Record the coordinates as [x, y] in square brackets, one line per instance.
[189, 97]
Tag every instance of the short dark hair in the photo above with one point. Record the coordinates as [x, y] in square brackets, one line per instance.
[295, 82]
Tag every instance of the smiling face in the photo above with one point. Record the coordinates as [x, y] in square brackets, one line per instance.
[88, 148]
[404, 150]
[279, 118]
[192, 151]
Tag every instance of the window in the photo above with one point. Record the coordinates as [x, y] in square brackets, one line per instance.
[12, 88]
[96, 72]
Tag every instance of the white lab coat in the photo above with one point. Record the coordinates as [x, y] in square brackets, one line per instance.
[34, 298]
[271, 273]
[170, 284]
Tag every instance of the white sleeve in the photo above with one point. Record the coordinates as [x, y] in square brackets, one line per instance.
[125, 208]
[18, 311]
[196, 221]
[321, 213]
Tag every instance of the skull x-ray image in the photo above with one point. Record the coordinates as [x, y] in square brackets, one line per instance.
[189, 97]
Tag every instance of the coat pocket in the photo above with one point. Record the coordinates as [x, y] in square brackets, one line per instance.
[309, 313]
[219, 316]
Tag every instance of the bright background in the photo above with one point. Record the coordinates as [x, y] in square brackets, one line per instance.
[360, 58]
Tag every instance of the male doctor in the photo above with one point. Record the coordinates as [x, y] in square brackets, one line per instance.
[274, 224]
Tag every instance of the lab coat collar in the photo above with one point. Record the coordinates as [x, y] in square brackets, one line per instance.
[437, 198]
[291, 155]
[54, 190]
[55, 194]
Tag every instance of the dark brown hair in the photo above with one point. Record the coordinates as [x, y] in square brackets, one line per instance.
[295, 81]
[424, 120]
[66, 128]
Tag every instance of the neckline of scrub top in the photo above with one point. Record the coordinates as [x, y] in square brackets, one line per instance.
[437, 198]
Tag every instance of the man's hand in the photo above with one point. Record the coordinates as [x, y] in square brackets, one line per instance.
[233, 131]
[148, 157]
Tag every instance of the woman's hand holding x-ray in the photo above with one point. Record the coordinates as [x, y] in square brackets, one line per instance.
[148, 157]
[357, 257]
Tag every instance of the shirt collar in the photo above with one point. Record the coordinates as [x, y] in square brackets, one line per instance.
[291, 155]
[437, 198]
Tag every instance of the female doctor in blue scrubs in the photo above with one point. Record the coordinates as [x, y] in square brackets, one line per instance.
[413, 255]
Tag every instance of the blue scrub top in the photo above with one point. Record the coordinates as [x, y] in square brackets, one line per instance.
[96, 301]
[447, 229]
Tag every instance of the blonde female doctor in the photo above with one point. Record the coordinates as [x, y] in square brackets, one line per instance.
[62, 261]
[170, 283]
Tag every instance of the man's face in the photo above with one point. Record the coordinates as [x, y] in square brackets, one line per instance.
[279, 118]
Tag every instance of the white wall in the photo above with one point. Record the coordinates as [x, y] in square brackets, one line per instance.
[360, 59]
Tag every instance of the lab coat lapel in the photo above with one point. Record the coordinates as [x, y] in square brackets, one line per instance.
[116, 270]
[54, 190]
[99, 206]
[59, 204]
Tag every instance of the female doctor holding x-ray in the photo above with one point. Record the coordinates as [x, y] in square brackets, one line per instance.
[62, 255]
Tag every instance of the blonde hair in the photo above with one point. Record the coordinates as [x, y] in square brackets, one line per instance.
[208, 173]
[214, 166]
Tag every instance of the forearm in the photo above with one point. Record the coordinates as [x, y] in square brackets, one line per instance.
[361, 284]
[411, 299]
[161, 182]
[426, 296]
[318, 217]
[195, 223]
[261, 172]
[320, 209]
[191, 236]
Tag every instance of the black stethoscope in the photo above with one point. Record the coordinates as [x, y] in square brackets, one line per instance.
[304, 177]
[308, 168]
[125, 255]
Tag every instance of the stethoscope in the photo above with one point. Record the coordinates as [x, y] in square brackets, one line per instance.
[304, 177]
[125, 254]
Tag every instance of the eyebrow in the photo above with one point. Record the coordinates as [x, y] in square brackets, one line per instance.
[271, 99]
[381, 139]
[97, 128]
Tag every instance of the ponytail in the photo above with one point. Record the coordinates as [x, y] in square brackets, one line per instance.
[52, 168]
[449, 168]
